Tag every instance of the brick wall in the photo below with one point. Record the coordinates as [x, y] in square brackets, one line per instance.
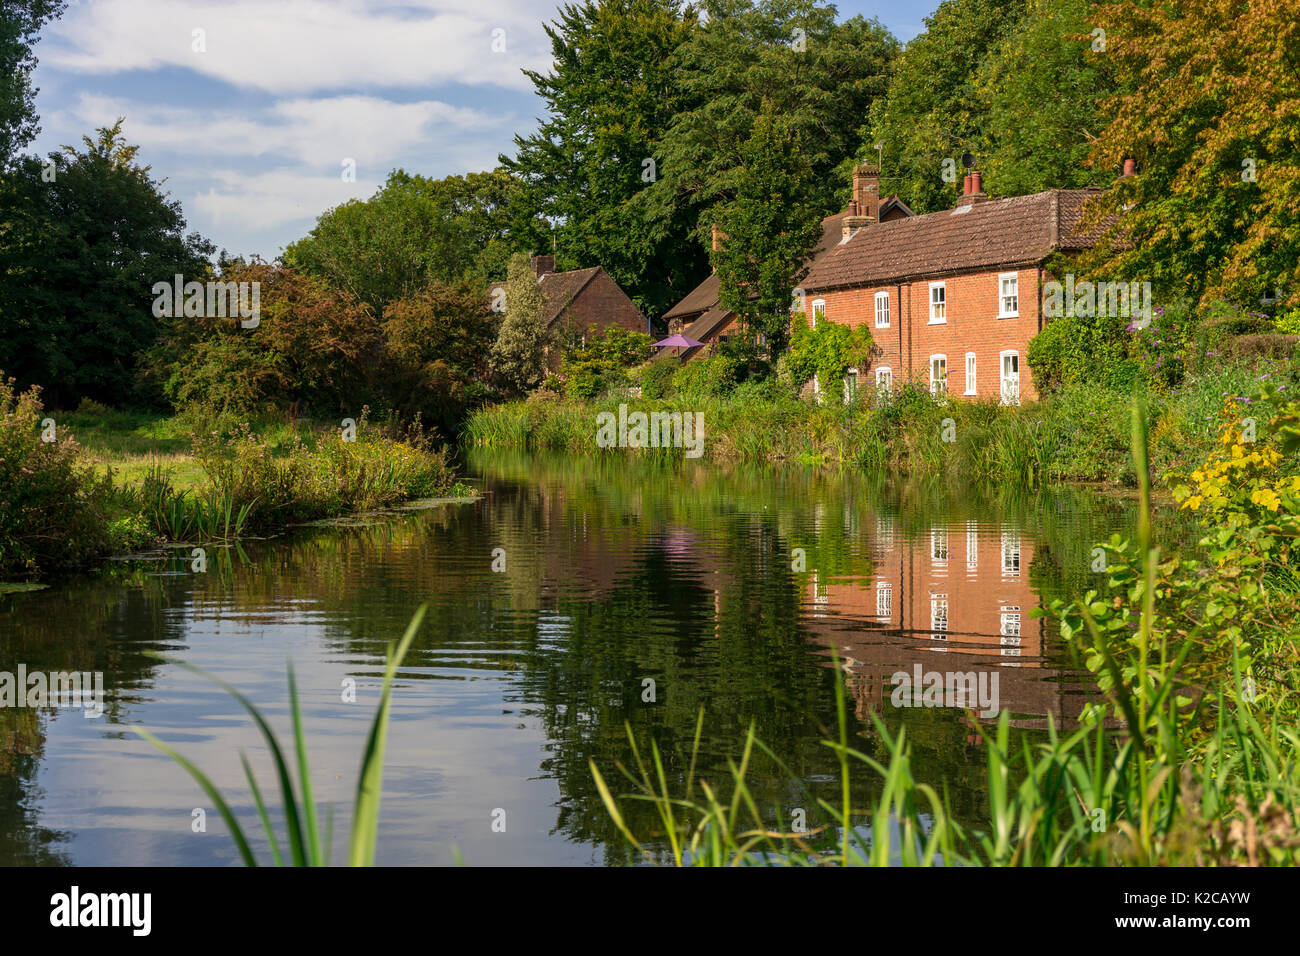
[972, 325]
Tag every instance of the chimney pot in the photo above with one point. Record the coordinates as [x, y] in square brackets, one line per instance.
[1130, 167]
[965, 186]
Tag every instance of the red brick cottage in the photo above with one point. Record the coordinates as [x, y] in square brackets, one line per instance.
[952, 298]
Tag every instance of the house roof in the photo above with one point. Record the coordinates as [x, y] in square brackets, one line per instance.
[1000, 232]
[707, 324]
[703, 297]
[558, 289]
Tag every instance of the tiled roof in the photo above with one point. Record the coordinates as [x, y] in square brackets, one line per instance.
[985, 235]
[559, 289]
[703, 296]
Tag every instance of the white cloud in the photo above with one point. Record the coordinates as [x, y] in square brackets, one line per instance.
[319, 132]
[293, 47]
[264, 201]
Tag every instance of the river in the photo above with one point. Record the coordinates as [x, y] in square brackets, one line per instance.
[573, 598]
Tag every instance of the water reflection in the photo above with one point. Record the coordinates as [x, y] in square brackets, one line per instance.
[726, 589]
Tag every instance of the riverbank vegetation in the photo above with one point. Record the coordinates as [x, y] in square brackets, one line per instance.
[64, 505]
[1187, 368]
[1191, 759]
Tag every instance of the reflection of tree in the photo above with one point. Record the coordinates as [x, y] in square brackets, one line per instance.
[23, 841]
[75, 627]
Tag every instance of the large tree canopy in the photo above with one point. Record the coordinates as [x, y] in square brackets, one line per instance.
[934, 111]
[819, 76]
[413, 232]
[20, 22]
[87, 234]
[1043, 86]
[610, 97]
[1213, 119]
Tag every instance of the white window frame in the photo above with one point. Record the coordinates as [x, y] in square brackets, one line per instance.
[818, 308]
[888, 384]
[850, 385]
[935, 381]
[882, 298]
[1011, 554]
[884, 600]
[1002, 376]
[1003, 296]
[939, 613]
[970, 373]
[939, 315]
[938, 542]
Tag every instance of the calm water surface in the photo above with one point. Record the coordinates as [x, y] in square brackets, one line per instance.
[616, 574]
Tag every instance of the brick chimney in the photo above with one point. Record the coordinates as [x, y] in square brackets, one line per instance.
[973, 187]
[866, 192]
[864, 207]
[1130, 167]
[543, 265]
[717, 237]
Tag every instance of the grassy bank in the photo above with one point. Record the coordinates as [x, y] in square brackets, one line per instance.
[1078, 434]
[77, 486]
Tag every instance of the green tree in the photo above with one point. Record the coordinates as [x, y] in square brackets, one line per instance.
[519, 354]
[80, 254]
[436, 345]
[771, 228]
[20, 22]
[934, 110]
[413, 232]
[1043, 86]
[790, 56]
[610, 96]
[1213, 120]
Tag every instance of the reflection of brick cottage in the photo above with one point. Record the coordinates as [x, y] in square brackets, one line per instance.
[952, 298]
[578, 302]
[701, 314]
[960, 597]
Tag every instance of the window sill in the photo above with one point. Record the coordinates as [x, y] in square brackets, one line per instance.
[937, 322]
[969, 392]
[1008, 315]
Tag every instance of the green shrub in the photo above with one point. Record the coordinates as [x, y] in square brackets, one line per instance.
[1288, 323]
[52, 508]
[714, 375]
[657, 380]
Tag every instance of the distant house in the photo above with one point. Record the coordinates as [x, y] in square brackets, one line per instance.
[579, 302]
[952, 298]
[701, 314]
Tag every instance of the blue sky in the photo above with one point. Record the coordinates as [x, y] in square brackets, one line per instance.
[251, 132]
